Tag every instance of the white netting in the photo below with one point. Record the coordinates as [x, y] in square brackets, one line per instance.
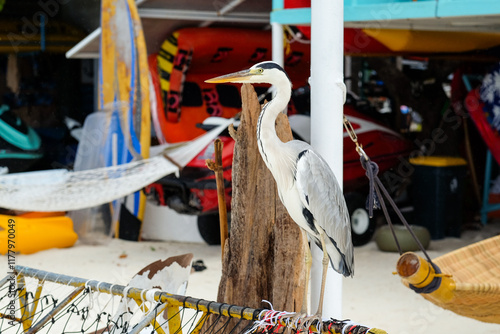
[35, 301]
[82, 309]
[62, 190]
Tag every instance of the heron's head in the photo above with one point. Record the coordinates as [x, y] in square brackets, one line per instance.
[264, 72]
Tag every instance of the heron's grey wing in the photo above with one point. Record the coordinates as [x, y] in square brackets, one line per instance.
[320, 193]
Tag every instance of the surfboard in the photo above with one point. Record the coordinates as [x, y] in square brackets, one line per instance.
[124, 91]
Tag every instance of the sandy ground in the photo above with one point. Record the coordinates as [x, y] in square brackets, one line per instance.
[375, 297]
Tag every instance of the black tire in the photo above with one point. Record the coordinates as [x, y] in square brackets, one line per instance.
[209, 228]
[362, 226]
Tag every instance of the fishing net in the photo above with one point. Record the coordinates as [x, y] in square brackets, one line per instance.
[38, 301]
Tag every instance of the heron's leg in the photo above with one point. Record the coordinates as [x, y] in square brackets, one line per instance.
[308, 261]
[323, 278]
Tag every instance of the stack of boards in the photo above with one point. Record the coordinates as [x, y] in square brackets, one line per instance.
[124, 92]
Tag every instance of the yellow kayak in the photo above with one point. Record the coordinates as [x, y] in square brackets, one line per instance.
[27, 235]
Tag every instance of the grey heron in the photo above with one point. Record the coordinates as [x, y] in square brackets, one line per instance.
[306, 184]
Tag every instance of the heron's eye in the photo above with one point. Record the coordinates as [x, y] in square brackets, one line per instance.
[260, 70]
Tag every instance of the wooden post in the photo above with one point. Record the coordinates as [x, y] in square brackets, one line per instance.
[264, 255]
[216, 166]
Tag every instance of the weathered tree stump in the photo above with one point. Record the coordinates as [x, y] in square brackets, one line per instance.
[264, 256]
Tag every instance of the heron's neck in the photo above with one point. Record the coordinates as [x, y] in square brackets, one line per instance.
[266, 130]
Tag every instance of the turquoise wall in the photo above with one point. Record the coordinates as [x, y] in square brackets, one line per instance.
[380, 10]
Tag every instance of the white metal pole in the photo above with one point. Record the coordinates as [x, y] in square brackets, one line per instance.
[327, 98]
[278, 44]
[278, 47]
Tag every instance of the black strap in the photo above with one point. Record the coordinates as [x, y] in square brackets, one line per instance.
[371, 172]
[376, 191]
[432, 286]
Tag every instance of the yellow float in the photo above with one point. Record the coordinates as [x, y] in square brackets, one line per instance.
[31, 233]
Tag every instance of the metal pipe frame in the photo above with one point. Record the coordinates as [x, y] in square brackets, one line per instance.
[166, 302]
[141, 295]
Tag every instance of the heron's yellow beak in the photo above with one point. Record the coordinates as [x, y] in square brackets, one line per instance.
[240, 76]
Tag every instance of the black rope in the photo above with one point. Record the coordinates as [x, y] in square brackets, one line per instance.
[239, 321]
[249, 323]
[229, 310]
[220, 307]
[198, 305]
[377, 188]
[224, 325]
[184, 301]
[371, 169]
[389, 220]
[208, 306]
[256, 314]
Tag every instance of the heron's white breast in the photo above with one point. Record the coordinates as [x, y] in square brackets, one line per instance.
[291, 200]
